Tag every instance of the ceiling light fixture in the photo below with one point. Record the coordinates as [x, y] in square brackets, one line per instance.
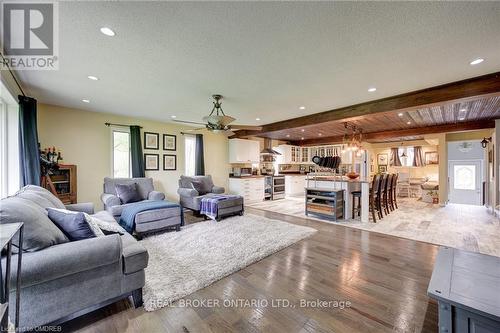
[302, 130]
[85, 101]
[257, 119]
[302, 138]
[476, 61]
[461, 118]
[372, 89]
[92, 77]
[302, 107]
[288, 135]
[173, 117]
[320, 134]
[400, 114]
[408, 122]
[107, 31]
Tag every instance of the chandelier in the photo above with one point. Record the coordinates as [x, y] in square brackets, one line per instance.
[351, 141]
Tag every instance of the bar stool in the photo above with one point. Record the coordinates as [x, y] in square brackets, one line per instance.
[374, 190]
[380, 196]
[385, 198]
[394, 190]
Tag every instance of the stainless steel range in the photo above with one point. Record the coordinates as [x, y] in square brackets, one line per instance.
[275, 187]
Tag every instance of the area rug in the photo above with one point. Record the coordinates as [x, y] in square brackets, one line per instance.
[181, 263]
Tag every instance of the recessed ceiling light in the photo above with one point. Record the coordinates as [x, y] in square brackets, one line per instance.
[320, 134]
[372, 89]
[461, 118]
[107, 31]
[400, 114]
[92, 77]
[463, 110]
[302, 130]
[302, 107]
[257, 119]
[408, 122]
[476, 61]
[173, 117]
[288, 135]
[302, 138]
[85, 101]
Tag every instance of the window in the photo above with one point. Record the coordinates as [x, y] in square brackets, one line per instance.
[9, 144]
[121, 153]
[190, 154]
[406, 156]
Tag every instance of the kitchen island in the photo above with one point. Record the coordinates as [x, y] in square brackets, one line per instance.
[349, 186]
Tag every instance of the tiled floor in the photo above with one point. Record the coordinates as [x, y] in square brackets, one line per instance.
[465, 227]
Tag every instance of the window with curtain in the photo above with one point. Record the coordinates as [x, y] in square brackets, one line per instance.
[409, 155]
[121, 159]
[9, 144]
[190, 155]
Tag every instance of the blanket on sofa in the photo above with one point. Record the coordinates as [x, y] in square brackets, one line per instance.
[127, 219]
[210, 205]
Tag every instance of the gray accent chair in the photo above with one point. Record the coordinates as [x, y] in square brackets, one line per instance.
[63, 279]
[112, 203]
[190, 197]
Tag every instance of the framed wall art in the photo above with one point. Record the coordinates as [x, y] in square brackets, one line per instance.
[431, 157]
[169, 142]
[151, 140]
[151, 162]
[169, 162]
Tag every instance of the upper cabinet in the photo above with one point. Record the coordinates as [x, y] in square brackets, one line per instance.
[295, 154]
[244, 151]
[289, 154]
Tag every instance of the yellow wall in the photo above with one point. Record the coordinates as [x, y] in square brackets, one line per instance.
[85, 141]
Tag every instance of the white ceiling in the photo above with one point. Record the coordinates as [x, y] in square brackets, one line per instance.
[267, 59]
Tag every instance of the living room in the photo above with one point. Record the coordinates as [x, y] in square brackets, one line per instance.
[250, 166]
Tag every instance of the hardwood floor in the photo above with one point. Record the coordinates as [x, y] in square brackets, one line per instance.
[384, 278]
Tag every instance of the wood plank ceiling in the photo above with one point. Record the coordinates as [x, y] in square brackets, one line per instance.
[453, 113]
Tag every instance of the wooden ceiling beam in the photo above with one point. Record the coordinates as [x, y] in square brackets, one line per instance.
[378, 136]
[459, 91]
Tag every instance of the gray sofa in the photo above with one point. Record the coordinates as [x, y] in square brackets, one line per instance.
[67, 279]
[190, 197]
[113, 204]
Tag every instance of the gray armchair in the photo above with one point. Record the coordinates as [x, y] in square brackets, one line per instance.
[113, 204]
[193, 189]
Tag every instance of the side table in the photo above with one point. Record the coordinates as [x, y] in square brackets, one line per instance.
[7, 234]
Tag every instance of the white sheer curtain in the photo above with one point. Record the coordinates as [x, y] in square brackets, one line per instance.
[190, 154]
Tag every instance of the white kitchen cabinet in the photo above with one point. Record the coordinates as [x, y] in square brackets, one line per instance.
[244, 151]
[294, 185]
[289, 154]
[251, 189]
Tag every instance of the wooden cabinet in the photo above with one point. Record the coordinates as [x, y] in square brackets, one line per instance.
[64, 181]
[244, 151]
[294, 185]
[251, 189]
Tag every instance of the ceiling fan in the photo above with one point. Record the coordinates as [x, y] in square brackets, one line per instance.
[218, 122]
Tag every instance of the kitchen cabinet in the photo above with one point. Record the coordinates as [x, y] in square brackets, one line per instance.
[251, 188]
[294, 185]
[289, 154]
[244, 151]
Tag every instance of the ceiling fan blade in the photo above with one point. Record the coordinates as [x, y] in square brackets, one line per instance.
[189, 122]
[194, 129]
[245, 127]
[229, 133]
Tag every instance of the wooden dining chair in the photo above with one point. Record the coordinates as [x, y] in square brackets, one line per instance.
[374, 192]
[394, 190]
[380, 196]
[387, 189]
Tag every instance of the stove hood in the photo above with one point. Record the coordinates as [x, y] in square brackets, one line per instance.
[268, 150]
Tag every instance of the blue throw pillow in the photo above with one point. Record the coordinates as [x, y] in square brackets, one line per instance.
[127, 193]
[73, 225]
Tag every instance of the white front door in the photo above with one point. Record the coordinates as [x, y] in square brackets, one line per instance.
[465, 182]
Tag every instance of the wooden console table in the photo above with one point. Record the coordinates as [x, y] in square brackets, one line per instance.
[467, 288]
[7, 233]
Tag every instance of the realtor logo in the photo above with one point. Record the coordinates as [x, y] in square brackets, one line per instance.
[29, 35]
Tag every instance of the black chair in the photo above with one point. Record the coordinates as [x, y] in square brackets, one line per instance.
[374, 191]
[380, 196]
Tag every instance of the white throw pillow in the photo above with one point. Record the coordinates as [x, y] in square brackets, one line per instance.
[105, 225]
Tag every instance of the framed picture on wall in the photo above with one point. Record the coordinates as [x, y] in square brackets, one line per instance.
[431, 157]
[382, 159]
[382, 168]
[169, 162]
[151, 162]
[151, 140]
[169, 142]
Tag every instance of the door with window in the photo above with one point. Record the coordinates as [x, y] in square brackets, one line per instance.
[465, 182]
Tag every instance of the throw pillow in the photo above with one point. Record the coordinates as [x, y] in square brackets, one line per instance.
[106, 227]
[93, 226]
[73, 225]
[199, 186]
[127, 193]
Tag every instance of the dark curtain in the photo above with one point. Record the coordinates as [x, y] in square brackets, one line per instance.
[28, 142]
[395, 161]
[136, 152]
[417, 159]
[199, 156]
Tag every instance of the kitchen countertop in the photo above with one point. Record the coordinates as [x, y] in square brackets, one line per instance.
[247, 177]
[338, 179]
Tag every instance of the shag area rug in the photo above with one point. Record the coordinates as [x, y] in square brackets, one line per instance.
[183, 262]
